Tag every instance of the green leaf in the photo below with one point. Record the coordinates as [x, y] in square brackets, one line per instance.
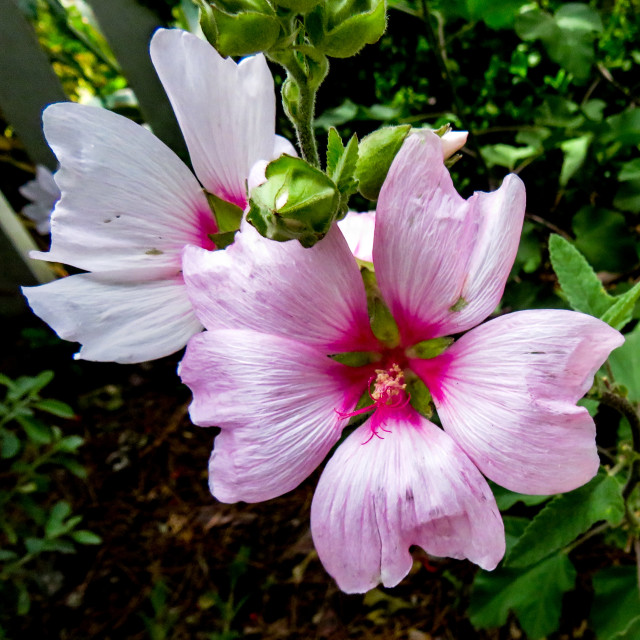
[566, 517]
[36, 431]
[346, 168]
[83, 536]
[625, 364]
[9, 444]
[497, 14]
[24, 600]
[72, 466]
[56, 408]
[505, 499]
[577, 279]
[575, 152]
[620, 313]
[70, 444]
[506, 155]
[55, 524]
[615, 613]
[605, 239]
[533, 594]
[6, 555]
[335, 150]
[28, 385]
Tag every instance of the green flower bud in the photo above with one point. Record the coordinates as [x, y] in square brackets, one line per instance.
[239, 27]
[297, 201]
[291, 98]
[340, 28]
[299, 6]
[376, 153]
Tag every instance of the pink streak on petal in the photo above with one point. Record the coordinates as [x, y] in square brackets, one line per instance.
[313, 295]
[207, 227]
[442, 262]
[277, 402]
[414, 486]
[506, 393]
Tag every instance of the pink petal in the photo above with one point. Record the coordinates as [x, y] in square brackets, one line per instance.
[313, 295]
[357, 228]
[116, 320]
[275, 400]
[226, 110]
[128, 202]
[506, 392]
[415, 486]
[442, 262]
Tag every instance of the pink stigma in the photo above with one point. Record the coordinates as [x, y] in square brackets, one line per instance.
[389, 392]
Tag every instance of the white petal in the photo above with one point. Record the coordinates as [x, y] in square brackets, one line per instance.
[115, 320]
[127, 200]
[506, 392]
[358, 229]
[377, 497]
[226, 110]
[276, 401]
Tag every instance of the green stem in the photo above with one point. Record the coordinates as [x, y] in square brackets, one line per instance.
[302, 119]
[624, 407]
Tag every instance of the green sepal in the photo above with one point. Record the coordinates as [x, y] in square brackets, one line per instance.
[341, 29]
[375, 155]
[356, 358]
[299, 6]
[419, 395]
[341, 166]
[383, 325]
[297, 202]
[228, 216]
[429, 348]
[240, 27]
[222, 240]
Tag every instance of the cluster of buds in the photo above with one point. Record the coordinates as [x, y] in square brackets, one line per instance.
[336, 29]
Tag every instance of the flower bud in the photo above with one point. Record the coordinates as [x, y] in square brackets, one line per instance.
[297, 201]
[239, 27]
[376, 153]
[341, 29]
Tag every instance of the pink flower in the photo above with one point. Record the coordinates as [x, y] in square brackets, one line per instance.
[129, 205]
[505, 392]
[358, 228]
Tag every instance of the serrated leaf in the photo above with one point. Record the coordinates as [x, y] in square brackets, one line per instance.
[346, 168]
[620, 313]
[335, 150]
[615, 613]
[625, 364]
[86, 537]
[534, 594]
[577, 279]
[566, 517]
[56, 408]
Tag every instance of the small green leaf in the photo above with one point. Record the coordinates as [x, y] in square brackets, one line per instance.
[24, 600]
[9, 444]
[534, 594]
[615, 612]
[428, 349]
[566, 517]
[56, 408]
[356, 358]
[55, 523]
[72, 466]
[575, 152]
[6, 555]
[82, 536]
[37, 431]
[577, 279]
[70, 444]
[625, 364]
[620, 313]
[335, 150]
[28, 385]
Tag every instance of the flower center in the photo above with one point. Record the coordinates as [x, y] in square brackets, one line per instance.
[389, 388]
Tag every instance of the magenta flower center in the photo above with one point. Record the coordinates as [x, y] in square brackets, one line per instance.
[389, 388]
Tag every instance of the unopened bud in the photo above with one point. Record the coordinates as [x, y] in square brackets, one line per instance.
[297, 201]
[341, 29]
[239, 27]
[376, 153]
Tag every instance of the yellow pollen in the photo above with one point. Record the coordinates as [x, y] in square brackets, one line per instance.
[388, 384]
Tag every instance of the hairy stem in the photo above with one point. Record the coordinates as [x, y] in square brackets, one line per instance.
[624, 407]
